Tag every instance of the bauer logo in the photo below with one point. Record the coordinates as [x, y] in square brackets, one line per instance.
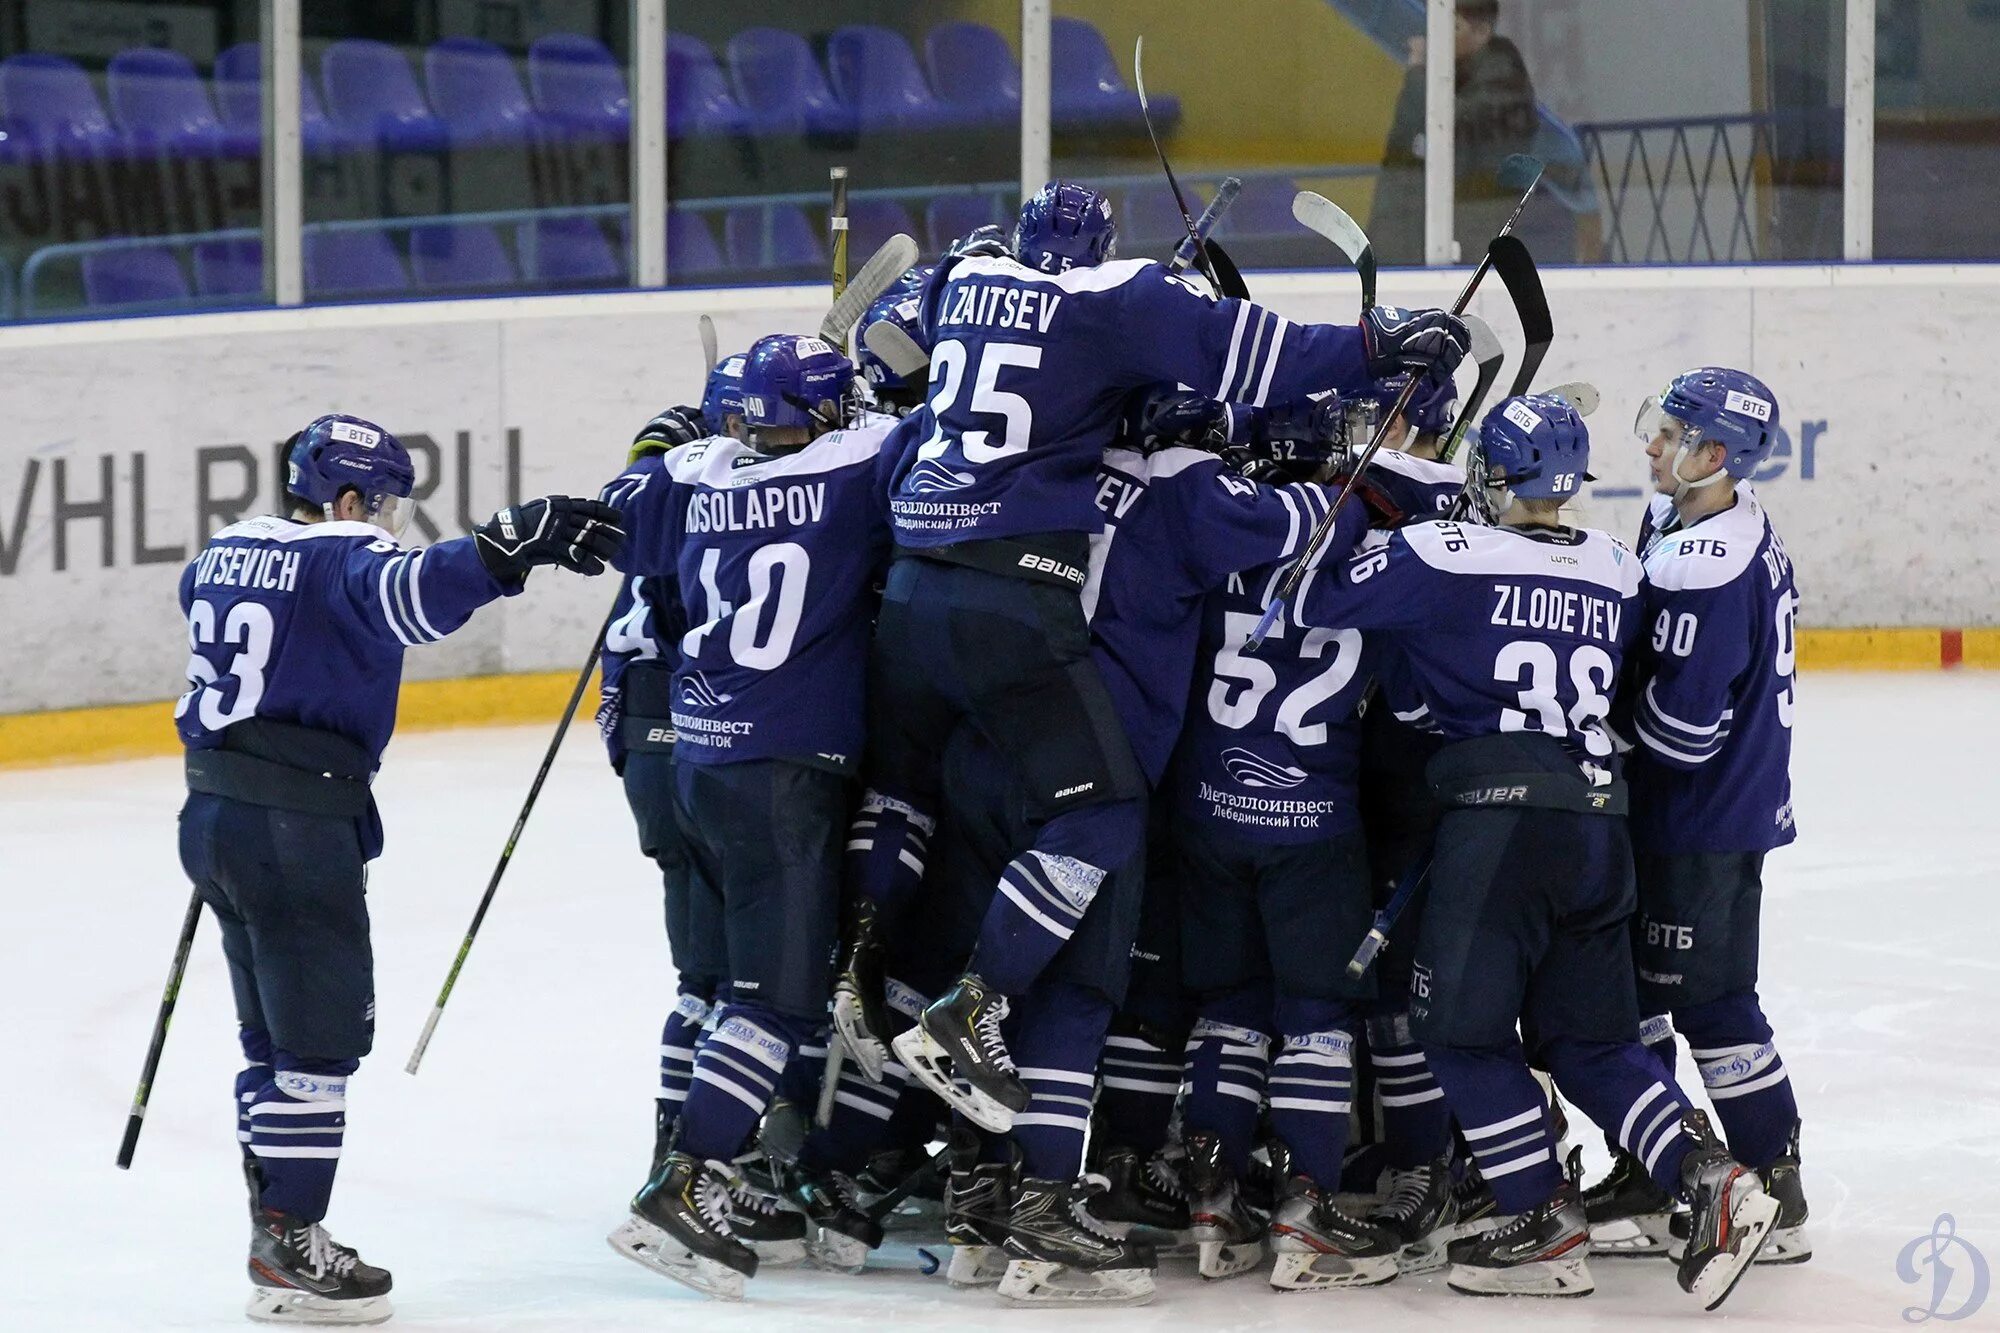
[1523, 416]
[1950, 1275]
[1747, 405]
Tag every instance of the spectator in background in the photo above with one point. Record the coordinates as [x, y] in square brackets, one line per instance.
[1495, 117]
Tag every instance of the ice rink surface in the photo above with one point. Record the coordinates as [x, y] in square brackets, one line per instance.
[488, 1182]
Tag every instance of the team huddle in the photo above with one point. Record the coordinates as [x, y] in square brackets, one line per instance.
[993, 810]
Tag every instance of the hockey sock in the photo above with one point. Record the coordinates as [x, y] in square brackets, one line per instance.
[1656, 1034]
[1416, 1123]
[1500, 1108]
[678, 1039]
[736, 1074]
[1732, 1046]
[1140, 1083]
[861, 1124]
[886, 847]
[297, 1118]
[1312, 1086]
[256, 1073]
[1227, 1063]
[1044, 892]
[1058, 1034]
[1619, 1083]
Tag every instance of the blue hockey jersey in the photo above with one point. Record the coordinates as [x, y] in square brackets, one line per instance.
[1176, 524]
[1713, 689]
[1029, 373]
[777, 559]
[307, 622]
[1421, 488]
[1503, 629]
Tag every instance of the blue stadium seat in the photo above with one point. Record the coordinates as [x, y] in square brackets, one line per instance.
[239, 88]
[773, 238]
[374, 97]
[873, 221]
[973, 68]
[162, 105]
[229, 268]
[477, 94]
[698, 98]
[876, 73]
[580, 87]
[780, 87]
[134, 275]
[51, 108]
[1086, 89]
[691, 248]
[568, 252]
[449, 255]
[353, 263]
[950, 216]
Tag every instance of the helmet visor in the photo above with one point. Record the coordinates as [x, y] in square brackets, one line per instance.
[1653, 418]
[389, 512]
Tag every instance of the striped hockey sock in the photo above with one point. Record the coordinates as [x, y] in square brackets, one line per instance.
[886, 848]
[736, 1074]
[298, 1119]
[1732, 1045]
[1040, 902]
[1500, 1108]
[679, 1039]
[1226, 1069]
[1312, 1092]
[1416, 1123]
[1138, 1085]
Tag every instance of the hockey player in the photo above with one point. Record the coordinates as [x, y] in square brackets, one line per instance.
[1031, 360]
[895, 394]
[1532, 895]
[776, 545]
[297, 627]
[1711, 785]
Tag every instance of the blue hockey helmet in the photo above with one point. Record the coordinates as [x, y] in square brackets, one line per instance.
[901, 309]
[337, 453]
[787, 377]
[722, 396]
[1535, 445]
[1714, 405]
[912, 278]
[1431, 410]
[1065, 226]
[989, 240]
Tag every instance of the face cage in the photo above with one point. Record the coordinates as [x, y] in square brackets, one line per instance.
[1359, 418]
[1481, 501]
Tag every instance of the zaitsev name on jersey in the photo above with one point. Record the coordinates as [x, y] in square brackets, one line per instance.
[748, 510]
[1558, 609]
[247, 567]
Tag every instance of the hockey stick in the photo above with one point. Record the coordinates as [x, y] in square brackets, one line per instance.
[709, 355]
[1490, 356]
[1205, 225]
[887, 264]
[1204, 253]
[513, 839]
[1386, 918]
[1317, 213]
[1579, 395]
[1516, 267]
[154, 1049]
[1511, 171]
[836, 222]
[896, 349]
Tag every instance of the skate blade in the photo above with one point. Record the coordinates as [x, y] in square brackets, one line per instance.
[1787, 1245]
[1310, 1270]
[778, 1253]
[1216, 1259]
[928, 1061]
[836, 1252]
[1718, 1277]
[1552, 1278]
[649, 1247]
[1038, 1282]
[975, 1266]
[870, 1053]
[287, 1305]
[1642, 1237]
[1420, 1257]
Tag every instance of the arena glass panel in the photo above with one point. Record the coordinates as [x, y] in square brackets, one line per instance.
[129, 183]
[1937, 130]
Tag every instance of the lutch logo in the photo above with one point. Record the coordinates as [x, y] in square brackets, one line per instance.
[1955, 1292]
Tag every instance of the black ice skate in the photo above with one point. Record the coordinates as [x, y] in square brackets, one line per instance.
[958, 1038]
[1629, 1214]
[775, 1233]
[1057, 1255]
[841, 1232]
[1789, 1243]
[1144, 1200]
[1542, 1252]
[679, 1228]
[1730, 1216]
[977, 1200]
[303, 1276]
[858, 1004]
[1318, 1247]
[1419, 1212]
[1229, 1239]
[911, 1171]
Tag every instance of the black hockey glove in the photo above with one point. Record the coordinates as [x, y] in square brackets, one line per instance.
[1428, 342]
[556, 530]
[673, 427]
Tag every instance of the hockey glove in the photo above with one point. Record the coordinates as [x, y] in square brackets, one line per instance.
[673, 427]
[555, 530]
[1427, 342]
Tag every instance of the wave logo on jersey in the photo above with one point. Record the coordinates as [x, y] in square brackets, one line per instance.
[931, 476]
[696, 692]
[1248, 769]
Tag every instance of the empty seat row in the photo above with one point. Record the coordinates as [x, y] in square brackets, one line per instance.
[472, 92]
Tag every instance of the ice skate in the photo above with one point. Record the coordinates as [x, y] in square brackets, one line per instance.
[1629, 1214]
[679, 1228]
[858, 1004]
[1420, 1212]
[840, 1233]
[1145, 1201]
[1542, 1252]
[1730, 1216]
[958, 1039]
[1229, 1239]
[922, 1208]
[302, 1275]
[976, 1204]
[1317, 1247]
[1057, 1255]
[775, 1233]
